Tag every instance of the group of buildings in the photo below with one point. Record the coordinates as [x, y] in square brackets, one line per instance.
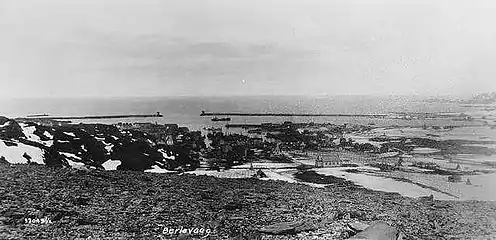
[168, 134]
[270, 139]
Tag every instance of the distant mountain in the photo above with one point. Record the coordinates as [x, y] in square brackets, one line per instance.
[482, 98]
[96, 146]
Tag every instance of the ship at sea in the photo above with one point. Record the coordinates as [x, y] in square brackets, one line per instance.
[216, 119]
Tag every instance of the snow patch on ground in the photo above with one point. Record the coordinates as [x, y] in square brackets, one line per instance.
[459, 133]
[76, 165]
[232, 173]
[108, 146]
[48, 135]
[363, 140]
[425, 150]
[157, 169]
[284, 175]
[272, 174]
[5, 124]
[48, 143]
[73, 164]
[111, 164]
[70, 134]
[14, 154]
[482, 187]
[382, 183]
[70, 155]
[165, 155]
[29, 132]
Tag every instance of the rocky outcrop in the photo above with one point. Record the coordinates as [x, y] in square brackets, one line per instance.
[10, 129]
[97, 146]
[260, 174]
[357, 226]
[379, 230]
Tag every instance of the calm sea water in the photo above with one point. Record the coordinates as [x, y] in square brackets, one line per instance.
[185, 111]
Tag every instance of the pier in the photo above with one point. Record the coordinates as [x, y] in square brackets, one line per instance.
[204, 114]
[101, 117]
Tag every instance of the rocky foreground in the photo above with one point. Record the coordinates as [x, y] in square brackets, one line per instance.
[98, 204]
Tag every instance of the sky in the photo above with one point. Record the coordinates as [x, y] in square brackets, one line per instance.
[107, 48]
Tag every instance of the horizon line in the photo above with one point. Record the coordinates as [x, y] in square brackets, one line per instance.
[236, 95]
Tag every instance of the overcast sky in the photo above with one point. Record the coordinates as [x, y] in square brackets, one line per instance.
[61, 48]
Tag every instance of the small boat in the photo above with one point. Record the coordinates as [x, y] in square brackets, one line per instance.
[215, 119]
[468, 182]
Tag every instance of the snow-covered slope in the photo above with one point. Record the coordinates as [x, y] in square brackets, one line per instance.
[80, 145]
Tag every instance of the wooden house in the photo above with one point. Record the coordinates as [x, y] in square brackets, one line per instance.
[328, 161]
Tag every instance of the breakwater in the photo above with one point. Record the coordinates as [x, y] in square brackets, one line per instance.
[102, 117]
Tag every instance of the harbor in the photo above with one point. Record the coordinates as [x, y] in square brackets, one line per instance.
[455, 116]
[204, 114]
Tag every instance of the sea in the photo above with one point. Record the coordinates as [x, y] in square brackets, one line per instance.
[185, 111]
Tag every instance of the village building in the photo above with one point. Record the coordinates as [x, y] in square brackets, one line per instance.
[454, 178]
[277, 150]
[328, 161]
[166, 140]
[268, 139]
